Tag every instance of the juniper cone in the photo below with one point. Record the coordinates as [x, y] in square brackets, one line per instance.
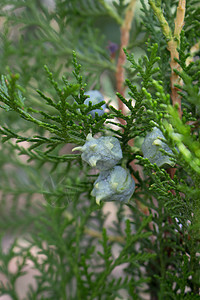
[102, 153]
[95, 98]
[151, 149]
[114, 185]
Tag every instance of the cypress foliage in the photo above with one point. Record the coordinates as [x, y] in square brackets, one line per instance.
[144, 58]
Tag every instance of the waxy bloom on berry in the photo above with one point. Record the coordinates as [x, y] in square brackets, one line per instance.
[151, 146]
[95, 98]
[102, 153]
[115, 184]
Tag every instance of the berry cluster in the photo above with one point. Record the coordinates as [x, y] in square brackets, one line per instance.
[114, 182]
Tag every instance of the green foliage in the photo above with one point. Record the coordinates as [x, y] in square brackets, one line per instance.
[51, 54]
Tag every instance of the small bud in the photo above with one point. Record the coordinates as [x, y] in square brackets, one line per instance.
[95, 97]
[151, 146]
[115, 184]
[92, 161]
[77, 149]
[102, 153]
[89, 137]
[92, 147]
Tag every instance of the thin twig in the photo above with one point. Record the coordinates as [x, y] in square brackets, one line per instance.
[96, 233]
[125, 34]
[163, 22]
[179, 21]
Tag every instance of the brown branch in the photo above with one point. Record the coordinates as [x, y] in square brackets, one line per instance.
[173, 41]
[172, 46]
[175, 79]
[125, 34]
[179, 21]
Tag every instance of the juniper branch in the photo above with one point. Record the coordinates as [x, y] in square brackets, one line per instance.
[173, 40]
